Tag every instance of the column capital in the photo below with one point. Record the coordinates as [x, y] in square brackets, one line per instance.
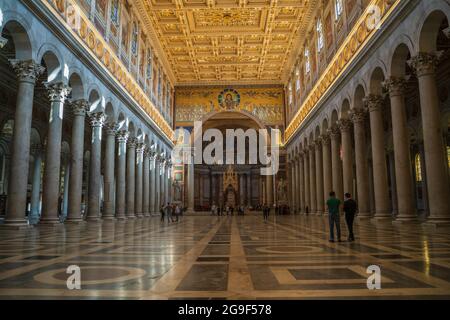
[122, 136]
[358, 115]
[58, 91]
[334, 132]
[97, 119]
[3, 42]
[132, 142]
[425, 63]
[140, 147]
[345, 125]
[374, 102]
[318, 143]
[396, 86]
[80, 107]
[325, 139]
[112, 128]
[27, 70]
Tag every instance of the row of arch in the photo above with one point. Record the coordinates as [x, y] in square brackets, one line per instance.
[28, 39]
[409, 108]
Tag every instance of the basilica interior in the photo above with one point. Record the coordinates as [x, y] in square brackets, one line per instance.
[99, 98]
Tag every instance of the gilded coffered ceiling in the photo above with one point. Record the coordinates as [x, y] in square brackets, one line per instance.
[222, 41]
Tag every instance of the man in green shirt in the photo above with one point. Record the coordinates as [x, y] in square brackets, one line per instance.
[333, 204]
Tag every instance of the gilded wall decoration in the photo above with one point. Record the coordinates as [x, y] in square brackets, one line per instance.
[193, 103]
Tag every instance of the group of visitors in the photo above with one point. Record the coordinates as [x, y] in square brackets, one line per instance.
[349, 207]
[226, 210]
[171, 211]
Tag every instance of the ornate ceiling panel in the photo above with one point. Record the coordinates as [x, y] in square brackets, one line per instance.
[220, 41]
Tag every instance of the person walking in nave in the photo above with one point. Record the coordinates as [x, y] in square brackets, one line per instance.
[162, 212]
[350, 207]
[266, 212]
[333, 204]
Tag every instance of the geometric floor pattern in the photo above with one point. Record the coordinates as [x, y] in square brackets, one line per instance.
[204, 257]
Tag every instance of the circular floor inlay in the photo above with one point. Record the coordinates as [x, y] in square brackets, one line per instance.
[92, 275]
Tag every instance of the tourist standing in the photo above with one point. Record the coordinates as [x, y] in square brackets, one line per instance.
[350, 207]
[333, 204]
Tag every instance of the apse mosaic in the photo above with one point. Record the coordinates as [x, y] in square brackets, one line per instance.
[265, 103]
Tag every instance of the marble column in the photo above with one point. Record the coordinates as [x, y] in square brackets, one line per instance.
[306, 181]
[169, 182]
[327, 168]
[336, 162]
[66, 182]
[36, 191]
[131, 178]
[139, 179]
[249, 189]
[27, 72]
[436, 162]
[293, 186]
[190, 185]
[57, 93]
[161, 182]
[269, 190]
[153, 208]
[319, 177]
[358, 116]
[402, 156]
[97, 121]
[345, 126]
[157, 184]
[312, 179]
[380, 181]
[146, 177]
[241, 189]
[300, 184]
[79, 109]
[108, 203]
[122, 138]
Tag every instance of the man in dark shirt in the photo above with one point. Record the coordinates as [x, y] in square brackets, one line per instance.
[333, 204]
[350, 208]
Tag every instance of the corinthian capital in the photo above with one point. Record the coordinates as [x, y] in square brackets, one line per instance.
[140, 146]
[122, 136]
[26, 70]
[374, 102]
[132, 142]
[425, 63]
[97, 119]
[57, 92]
[358, 115]
[345, 125]
[334, 132]
[396, 86]
[111, 128]
[325, 138]
[80, 107]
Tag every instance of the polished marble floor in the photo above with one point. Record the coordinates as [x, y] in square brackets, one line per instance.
[204, 257]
